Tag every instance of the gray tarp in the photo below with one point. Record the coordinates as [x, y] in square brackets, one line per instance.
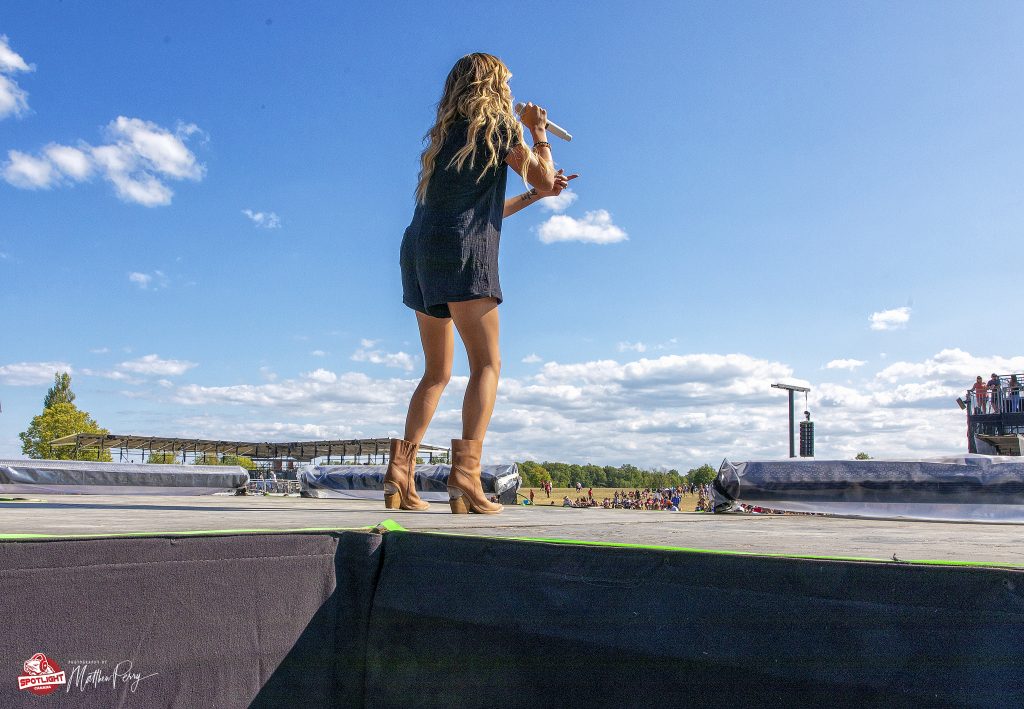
[965, 488]
[84, 477]
[367, 481]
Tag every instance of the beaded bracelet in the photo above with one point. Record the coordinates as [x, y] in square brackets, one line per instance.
[542, 144]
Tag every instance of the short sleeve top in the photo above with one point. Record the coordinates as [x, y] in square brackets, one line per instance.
[471, 200]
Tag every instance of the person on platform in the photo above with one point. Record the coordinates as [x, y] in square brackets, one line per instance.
[995, 393]
[980, 396]
[449, 261]
[1014, 394]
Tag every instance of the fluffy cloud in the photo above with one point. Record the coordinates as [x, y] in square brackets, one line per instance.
[368, 353]
[532, 358]
[632, 346]
[594, 228]
[560, 202]
[318, 393]
[154, 365]
[13, 98]
[672, 410]
[21, 374]
[850, 364]
[263, 220]
[894, 319]
[147, 281]
[951, 367]
[138, 160]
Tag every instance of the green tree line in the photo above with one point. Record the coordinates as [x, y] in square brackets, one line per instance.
[566, 474]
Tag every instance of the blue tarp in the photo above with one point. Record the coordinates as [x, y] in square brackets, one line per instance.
[367, 481]
[966, 488]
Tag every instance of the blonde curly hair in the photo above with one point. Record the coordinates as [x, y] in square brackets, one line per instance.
[476, 90]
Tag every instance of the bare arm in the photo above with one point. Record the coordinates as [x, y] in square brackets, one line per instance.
[514, 204]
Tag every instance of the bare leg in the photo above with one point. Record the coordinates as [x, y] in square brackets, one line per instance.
[477, 322]
[438, 343]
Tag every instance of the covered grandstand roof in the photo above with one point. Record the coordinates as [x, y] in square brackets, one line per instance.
[303, 451]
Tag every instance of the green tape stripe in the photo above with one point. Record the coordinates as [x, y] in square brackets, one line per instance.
[725, 552]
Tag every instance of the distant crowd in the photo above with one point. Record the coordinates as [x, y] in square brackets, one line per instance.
[669, 499]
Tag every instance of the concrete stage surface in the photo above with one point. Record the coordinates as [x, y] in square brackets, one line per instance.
[72, 515]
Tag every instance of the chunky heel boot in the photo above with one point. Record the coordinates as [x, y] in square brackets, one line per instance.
[400, 478]
[465, 493]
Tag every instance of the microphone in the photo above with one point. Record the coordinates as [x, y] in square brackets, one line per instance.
[555, 129]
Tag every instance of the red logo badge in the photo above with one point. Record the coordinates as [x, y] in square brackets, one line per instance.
[42, 675]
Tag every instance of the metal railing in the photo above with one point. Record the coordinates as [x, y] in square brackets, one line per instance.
[1004, 397]
[258, 486]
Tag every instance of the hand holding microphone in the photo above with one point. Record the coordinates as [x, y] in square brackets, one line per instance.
[536, 117]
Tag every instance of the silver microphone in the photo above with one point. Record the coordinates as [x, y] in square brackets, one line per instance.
[555, 129]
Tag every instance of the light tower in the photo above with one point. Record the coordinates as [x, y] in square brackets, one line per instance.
[791, 388]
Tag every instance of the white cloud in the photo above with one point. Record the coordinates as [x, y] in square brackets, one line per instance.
[323, 376]
[673, 410]
[29, 173]
[632, 346]
[365, 353]
[70, 161]
[147, 281]
[263, 220]
[268, 374]
[894, 319]
[113, 374]
[100, 350]
[156, 366]
[850, 364]
[140, 279]
[951, 367]
[595, 228]
[318, 353]
[31, 373]
[13, 98]
[138, 159]
[560, 202]
[532, 358]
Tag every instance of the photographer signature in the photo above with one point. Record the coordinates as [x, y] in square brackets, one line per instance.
[82, 678]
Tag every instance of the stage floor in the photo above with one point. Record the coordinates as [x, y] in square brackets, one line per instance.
[70, 515]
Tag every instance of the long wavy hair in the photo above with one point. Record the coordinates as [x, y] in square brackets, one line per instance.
[477, 90]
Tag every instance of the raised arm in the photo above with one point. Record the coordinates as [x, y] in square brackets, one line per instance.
[538, 164]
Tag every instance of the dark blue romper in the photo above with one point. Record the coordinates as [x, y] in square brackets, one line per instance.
[450, 251]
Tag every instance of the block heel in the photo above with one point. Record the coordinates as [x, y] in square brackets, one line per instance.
[392, 497]
[458, 501]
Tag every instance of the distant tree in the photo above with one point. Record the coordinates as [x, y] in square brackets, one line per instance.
[242, 461]
[162, 458]
[60, 392]
[704, 475]
[862, 456]
[59, 420]
[213, 459]
[533, 474]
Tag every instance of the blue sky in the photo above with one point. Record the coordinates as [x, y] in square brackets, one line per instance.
[200, 212]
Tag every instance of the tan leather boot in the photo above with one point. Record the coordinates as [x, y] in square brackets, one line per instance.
[400, 478]
[465, 494]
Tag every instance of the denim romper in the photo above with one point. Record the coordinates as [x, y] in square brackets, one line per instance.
[450, 250]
